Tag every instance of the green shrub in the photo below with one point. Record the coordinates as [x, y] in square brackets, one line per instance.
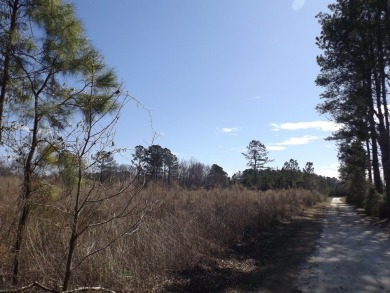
[374, 203]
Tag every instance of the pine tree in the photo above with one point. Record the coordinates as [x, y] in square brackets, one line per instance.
[257, 157]
[354, 40]
[40, 72]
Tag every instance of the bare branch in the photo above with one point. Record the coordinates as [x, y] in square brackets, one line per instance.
[86, 289]
[42, 287]
[32, 285]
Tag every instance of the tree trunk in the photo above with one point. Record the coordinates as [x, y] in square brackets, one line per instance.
[386, 175]
[69, 259]
[18, 242]
[382, 103]
[7, 61]
[369, 167]
[74, 233]
[25, 196]
[383, 131]
[375, 167]
[374, 141]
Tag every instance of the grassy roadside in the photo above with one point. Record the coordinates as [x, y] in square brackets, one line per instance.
[267, 261]
[186, 231]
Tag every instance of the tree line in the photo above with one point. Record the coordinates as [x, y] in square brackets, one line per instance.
[354, 72]
[155, 163]
[289, 176]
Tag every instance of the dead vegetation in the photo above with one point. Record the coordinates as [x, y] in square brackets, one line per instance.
[180, 230]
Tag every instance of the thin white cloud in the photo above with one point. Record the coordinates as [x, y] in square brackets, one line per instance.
[299, 140]
[292, 141]
[298, 4]
[320, 125]
[228, 130]
[275, 148]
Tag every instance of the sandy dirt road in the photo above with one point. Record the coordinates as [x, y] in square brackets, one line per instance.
[352, 255]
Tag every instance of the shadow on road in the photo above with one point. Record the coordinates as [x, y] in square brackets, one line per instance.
[352, 255]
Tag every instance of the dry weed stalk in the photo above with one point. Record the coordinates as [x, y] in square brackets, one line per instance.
[46, 289]
[185, 230]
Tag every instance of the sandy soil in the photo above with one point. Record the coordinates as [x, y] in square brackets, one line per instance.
[351, 255]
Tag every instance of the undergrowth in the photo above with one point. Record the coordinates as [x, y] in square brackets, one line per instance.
[182, 231]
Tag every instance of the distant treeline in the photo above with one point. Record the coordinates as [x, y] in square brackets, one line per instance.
[159, 164]
[156, 163]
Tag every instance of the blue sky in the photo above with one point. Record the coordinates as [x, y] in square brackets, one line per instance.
[216, 74]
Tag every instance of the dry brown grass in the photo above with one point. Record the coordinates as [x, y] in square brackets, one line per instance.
[182, 231]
